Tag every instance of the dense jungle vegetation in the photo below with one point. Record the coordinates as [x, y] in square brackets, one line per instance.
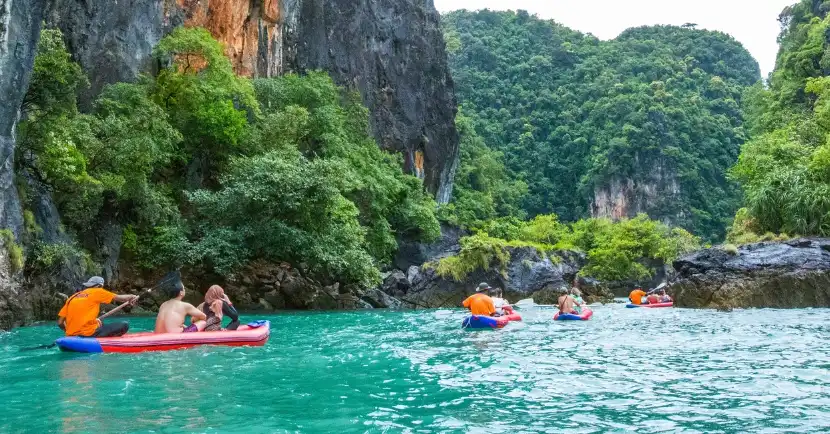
[552, 115]
[785, 168]
[204, 168]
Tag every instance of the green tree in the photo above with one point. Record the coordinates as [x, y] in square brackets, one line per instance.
[484, 189]
[206, 102]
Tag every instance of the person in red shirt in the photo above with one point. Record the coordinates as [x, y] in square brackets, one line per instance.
[79, 315]
[480, 303]
[653, 299]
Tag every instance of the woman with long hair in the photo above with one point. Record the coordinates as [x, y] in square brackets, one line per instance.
[216, 306]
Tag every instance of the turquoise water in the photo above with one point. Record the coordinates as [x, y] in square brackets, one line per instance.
[626, 370]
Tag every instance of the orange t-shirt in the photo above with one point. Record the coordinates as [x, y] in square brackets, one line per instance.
[81, 311]
[636, 296]
[480, 304]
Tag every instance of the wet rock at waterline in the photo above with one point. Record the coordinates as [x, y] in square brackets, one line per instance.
[788, 274]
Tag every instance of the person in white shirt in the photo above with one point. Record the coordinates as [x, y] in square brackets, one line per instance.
[496, 294]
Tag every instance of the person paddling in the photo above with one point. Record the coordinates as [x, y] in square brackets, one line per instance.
[216, 305]
[79, 315]
[480, 303]
[636, 296]
[567, 304]
[173, 312]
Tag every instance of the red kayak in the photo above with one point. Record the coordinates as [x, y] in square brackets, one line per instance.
[254, 334]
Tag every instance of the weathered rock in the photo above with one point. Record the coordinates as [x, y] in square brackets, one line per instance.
[19, 32]
[381, 300]
[67, 272]
[652, 192]
[795, 273]
[416, 253]
[393, 52]
[527, 273]
[395, 283]
[112, 42]
[15, 302]
[251, 31]
[20, 23]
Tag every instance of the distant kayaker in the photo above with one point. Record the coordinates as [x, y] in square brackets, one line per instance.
[653, 298]
[636, 296]
[665, 298]
[216, 305]
[480, 303]
[567, 304]
[79, 315]
[173, 312]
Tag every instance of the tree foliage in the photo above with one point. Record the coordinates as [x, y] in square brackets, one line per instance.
[209, 169]
[785, 169]
[571, 114]
[484, 189]
[615, 250]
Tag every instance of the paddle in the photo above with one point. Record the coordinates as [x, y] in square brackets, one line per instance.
[172, 277]
[659, 287]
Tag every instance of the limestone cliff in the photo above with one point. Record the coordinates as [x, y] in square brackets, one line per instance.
[653, 193]
[391, 51]
[19, 30]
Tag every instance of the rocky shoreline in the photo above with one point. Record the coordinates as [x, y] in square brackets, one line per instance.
[791, 274]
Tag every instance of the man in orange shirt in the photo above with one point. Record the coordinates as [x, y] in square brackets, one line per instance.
[79, 315]
[480, 303]
[636, 296]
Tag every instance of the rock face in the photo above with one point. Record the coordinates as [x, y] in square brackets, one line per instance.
[19, 31]
[112, 42]
[783, 275]
[652, 194]
[391, 51]
[68, 272]
[250, 30]
[416, 253]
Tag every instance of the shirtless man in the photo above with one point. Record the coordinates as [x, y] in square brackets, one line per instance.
[172, 313]
[566, 304]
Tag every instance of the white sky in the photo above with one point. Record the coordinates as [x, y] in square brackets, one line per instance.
[752, 22]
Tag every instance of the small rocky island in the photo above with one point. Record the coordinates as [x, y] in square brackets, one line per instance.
[790, 274]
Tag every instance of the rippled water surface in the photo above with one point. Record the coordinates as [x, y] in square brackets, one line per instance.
[661, 370]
